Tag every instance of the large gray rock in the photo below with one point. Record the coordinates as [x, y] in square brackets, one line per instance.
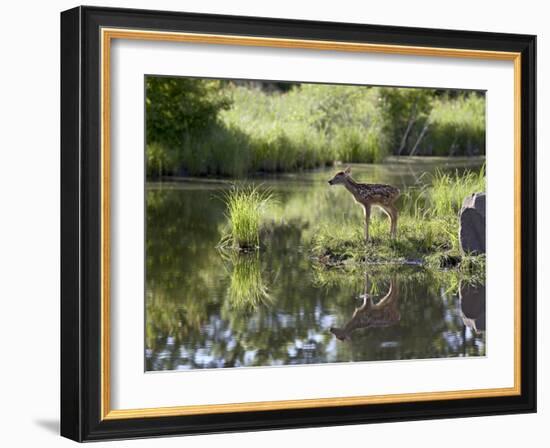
[472, 306]
[472, 224]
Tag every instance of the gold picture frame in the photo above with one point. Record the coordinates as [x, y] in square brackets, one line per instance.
[106, 30]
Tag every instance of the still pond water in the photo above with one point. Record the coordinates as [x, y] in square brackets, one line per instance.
[206, 308]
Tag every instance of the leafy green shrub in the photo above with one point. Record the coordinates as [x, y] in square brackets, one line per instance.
[208, 127]
[160, 161]
[458, 126]
[176, 108]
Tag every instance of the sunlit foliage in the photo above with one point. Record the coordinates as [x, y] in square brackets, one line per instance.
[206, 127]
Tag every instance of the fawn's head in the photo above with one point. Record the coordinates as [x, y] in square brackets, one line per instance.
[340, 333]
[340, 177]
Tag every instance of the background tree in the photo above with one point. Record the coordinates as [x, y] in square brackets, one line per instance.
[175, 108]
[405, 110]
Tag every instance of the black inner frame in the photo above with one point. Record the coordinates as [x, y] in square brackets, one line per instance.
[81, 223]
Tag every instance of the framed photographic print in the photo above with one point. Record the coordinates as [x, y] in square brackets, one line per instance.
[273, 223]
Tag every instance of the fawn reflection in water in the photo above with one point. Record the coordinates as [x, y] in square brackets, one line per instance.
[383, 313]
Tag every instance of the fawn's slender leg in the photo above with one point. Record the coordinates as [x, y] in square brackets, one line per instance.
[393, 216]
[367, 220]
[392, 213]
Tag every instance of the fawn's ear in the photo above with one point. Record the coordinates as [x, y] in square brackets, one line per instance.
[347, 170]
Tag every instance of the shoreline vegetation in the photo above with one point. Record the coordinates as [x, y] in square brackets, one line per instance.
[427, 234]
[235, 129]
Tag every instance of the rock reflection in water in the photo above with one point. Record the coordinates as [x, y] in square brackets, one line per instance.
[472, 305]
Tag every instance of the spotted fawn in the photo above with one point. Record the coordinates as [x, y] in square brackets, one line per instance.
[384, 196]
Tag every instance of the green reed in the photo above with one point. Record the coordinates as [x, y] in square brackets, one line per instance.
[246, 205]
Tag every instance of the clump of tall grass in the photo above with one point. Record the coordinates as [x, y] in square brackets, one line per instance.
[443, 195]
[245, 207]
[359, 145]
[448, 191]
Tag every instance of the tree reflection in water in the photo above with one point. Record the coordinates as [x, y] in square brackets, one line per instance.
[209, 309]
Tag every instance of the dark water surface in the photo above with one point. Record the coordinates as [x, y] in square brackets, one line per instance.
[206, 308]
